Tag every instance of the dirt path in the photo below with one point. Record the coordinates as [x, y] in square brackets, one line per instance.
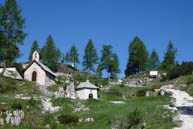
[184, 104]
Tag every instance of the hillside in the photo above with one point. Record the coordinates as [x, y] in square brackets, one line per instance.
[117, 107]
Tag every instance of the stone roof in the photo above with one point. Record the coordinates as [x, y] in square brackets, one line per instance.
[47, 69]
[87, 85]
[11, 72]
[44, 67]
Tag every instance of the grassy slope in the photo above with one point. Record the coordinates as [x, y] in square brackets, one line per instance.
[32, 109]
[105, 114]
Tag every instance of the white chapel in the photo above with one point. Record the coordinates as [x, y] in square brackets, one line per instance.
[38, 72]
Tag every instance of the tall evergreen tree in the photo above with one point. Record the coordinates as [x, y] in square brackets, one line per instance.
[169, 58]
[72, 56]
[138, 57]
[109, 62]
[154, 60]
[35, 47]
[12, 25]
[50, 54]
[67, 57]
[90, 57]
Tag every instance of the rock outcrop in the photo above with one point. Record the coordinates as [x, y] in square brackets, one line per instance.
[12, 117]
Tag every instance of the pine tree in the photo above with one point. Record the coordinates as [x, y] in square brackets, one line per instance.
[72, 56]
[109, 62]
[169, 58]
[138, 57]
[12, 25]
[67, 57]
[50, 54]
[35, 47]
[90, 57]
[154, 60]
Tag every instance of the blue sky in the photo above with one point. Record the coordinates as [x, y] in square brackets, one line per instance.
[114, 22]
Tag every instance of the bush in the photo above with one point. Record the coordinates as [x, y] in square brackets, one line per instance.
[16, 105]
[185, 68]
[133, 119]
[105, 82]
[68, 119]
[141, 93]
[190, 81]
[114, 92]
[47, 118]
[32, 102]
[2, 88]
[79, 77]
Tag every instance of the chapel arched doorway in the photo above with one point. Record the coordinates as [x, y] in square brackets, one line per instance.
[90, 96]
[34, 76]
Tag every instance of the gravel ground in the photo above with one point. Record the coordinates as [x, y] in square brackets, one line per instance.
[184, 104]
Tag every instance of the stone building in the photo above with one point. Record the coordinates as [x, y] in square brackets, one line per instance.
[11, 72]
[87, 90]
[38, 72]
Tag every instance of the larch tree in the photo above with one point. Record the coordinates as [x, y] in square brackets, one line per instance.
[12, 26]
[50, 54]
[138, 57]
[35, 47]
[154, 62]
[72, 56]
[109, 62]
[169, 58]
[90, 58]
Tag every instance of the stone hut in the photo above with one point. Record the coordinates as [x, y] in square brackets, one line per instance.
[87, 90]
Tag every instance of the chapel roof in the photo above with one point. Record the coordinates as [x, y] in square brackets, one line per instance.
[44, 67]
[86, 85]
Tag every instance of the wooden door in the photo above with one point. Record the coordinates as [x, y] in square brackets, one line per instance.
[34, 76]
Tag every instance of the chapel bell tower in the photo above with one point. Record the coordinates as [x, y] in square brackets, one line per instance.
[36, 56]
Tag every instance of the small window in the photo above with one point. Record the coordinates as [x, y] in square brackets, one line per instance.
[35, 55]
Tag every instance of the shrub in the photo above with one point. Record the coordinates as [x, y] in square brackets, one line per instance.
[133, 119]
[185, 68]
[68, 119]
[105, 82]
[141, 93]
[16, 105]
[47, 118]
[32, 102]
[2, 88]
[79, 77]
[114, 92]
[190, 81]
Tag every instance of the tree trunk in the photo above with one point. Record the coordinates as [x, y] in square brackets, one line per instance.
[4, 68]
[108, 75]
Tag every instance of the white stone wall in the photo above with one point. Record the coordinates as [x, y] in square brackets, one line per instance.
[12, 73]
[84, 93]
[41, 75]
[50, 79]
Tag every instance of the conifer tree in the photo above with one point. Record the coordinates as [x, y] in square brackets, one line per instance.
[50, 54]
[72, 56]
[138, 57]
[109, 62]
[67, 57]
[12, 25]
[90, 57]
[154, 60]
[35, 47]
[169, 58]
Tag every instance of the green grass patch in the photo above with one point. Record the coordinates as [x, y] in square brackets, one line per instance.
[56, 87]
